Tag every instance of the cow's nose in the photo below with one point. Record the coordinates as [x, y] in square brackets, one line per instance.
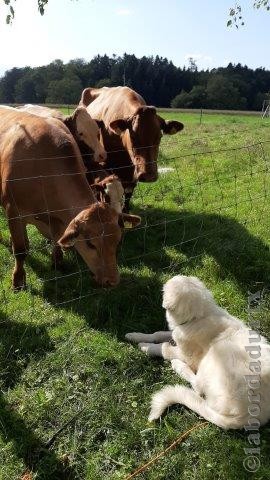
[108, 282]
[113, 283]
[101, 157]
[147, 177]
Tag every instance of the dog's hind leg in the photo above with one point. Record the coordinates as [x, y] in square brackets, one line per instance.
[157, 337]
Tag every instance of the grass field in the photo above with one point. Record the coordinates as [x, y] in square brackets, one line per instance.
[74, 395]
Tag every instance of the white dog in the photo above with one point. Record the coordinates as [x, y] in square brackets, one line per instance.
[226, 363]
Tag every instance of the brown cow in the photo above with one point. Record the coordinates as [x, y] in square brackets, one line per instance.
[43, 182]
[131, 134]
[84, 129]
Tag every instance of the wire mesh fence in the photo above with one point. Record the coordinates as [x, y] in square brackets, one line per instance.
[211, 199]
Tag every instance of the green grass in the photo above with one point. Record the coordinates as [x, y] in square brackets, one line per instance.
[60, 356]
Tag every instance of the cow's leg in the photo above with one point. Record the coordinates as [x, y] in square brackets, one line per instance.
[10, 245]
[57, 257]
[49, 232]
[128, 195]
[20, 246]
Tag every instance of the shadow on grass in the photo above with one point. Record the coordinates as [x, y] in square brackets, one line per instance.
[240, 255]
[19, 343]
[168, 243]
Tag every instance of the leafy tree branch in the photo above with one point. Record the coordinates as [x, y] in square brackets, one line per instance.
[10, 4]
[235, 13]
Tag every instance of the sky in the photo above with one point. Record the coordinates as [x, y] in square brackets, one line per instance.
[176, 29]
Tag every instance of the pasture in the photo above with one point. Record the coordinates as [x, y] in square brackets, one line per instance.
[75, 396]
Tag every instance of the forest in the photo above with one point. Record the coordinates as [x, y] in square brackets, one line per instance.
[157, 79]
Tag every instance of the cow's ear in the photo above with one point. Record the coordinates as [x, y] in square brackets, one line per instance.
[119, 126]
[69, 236]
[129, 221]
[170, 127]
[86, 97]
[99, 192]
[70, 121]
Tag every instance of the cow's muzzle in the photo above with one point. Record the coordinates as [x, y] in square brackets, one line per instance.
[147, 177]
[108, 281]
[145, 171]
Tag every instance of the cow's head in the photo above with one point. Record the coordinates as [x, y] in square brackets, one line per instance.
[110, 190]
[86, 130]
[141, 135]
[95, 233]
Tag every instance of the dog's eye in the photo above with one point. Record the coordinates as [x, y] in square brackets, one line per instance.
[90, 245]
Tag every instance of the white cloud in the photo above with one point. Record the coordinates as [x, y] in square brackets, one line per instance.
[124, 12]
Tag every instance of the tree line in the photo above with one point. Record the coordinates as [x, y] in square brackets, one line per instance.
[157, 79]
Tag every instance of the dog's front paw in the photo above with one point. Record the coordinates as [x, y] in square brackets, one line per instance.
[134, 337]
[145, 347]
[151, 349]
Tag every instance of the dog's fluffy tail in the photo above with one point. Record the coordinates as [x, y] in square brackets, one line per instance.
[180, 394]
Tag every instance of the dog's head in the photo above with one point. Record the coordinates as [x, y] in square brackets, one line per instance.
[186, 299]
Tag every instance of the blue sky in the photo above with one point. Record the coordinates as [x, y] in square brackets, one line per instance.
[175, 29]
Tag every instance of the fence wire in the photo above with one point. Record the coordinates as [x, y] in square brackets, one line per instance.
[201, 198]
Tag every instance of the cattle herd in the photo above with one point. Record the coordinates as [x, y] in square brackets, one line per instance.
[73, 177]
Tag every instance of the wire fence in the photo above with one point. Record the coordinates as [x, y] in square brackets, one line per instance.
[208, 200]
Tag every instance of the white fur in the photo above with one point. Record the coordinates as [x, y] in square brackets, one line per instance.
[116, 193]
[210, 353]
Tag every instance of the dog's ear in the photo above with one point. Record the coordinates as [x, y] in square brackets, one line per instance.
[170, 298]
[168, 304]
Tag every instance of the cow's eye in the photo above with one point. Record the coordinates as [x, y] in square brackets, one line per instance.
[81, 134]
[90, 245]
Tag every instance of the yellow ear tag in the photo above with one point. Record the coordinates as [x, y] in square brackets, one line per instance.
[128, 224]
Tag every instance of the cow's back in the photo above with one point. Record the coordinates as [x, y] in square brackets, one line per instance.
[42, 111]
[111, 103]
[31, 140]
[41, 167]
